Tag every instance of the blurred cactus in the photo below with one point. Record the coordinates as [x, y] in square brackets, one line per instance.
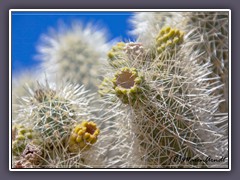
[20, 82]
[146, 26]
[74, 53]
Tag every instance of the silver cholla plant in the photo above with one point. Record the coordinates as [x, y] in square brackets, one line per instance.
[207, 31]
[172, 115]
[74, 53]
[53, 113]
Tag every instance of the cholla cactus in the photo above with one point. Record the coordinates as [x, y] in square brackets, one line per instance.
[207, 31]
[161, 97]
[172, 117]
[74, 53]
[53, 112]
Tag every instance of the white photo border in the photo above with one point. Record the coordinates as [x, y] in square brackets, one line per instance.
[113, 10]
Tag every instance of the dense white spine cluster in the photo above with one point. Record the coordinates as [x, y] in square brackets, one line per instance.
[177, 114]
[206, 31]
[73, 53]
[52, 111]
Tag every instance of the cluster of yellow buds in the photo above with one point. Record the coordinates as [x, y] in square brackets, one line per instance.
[117, 56]
[168, 38]
[83, 136]
[20, 137]
[116, 51]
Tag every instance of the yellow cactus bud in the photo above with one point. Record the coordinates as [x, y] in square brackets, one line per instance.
[76, 130]
[111, 55]
[80, 132]
[93, 140]
[22, 131]
[168, 38]
[86, 135]
[97, 132]
[82, 145]
[116, 51]
[73, 137]
[83, 135]
[20, 137]
[79, 139]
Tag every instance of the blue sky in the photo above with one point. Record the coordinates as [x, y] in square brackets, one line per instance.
[27, 27]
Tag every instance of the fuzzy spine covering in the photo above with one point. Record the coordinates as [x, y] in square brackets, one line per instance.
[53, 112]
[174, 117]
